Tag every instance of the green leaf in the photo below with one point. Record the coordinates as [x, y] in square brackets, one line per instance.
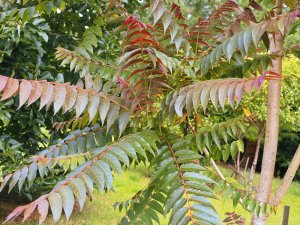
[88, 182]
[196, 98]
[103, 108]
[187, 158]
[205, 96]
[201, 193]
[233, 149]
[200, 208]
[138, 148]
[24, 173]
[152, 214]
[204, 217]
[81, 103]
[174, 197]
[55, 202]
[226, 154]
[252, 205]
[235, 184]
[198, 186]
[123, 121]
[236, 197]
[240, 145]
[6, 179]
[247, 38]
[78, 188]
[32, 173]
[197, 177]
[179, 215]
[120, 155]
[245, 202]
[68, 200]
[107, 173]
[166, 20]
[48, 7]
[112, 115]
[192, 167]
[128, 149]
[207, 140]
[184, 221]
[216, 138]
[231, 47]
[202, 201]
[179, 104]
[156, 206]
[113, 162]
[14, 180]
[97, 176]
[178, 205]
[94, 102]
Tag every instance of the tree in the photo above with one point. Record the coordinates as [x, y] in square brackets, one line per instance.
[147, 103]
[289, 115]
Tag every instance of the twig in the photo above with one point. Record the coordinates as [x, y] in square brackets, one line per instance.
[214, 165]
[238, 172]
[238, 162]
[253, 167]
[246, 166]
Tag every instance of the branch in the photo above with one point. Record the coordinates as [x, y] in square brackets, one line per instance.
[212, 161]
[185, 188]
[287, 179]
[253, 167]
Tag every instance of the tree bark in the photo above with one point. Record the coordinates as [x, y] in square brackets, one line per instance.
[272, 123]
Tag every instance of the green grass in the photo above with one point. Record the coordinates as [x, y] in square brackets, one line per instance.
[101, 212]
[291, 199]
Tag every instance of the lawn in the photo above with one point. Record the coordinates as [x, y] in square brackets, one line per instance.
[100, 211]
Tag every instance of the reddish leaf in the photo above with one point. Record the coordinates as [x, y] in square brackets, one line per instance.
[162, 68]
[239, 91]
[145, 40]
[138, 33]
[126, 65]
[59, 97]
[249, 86]
[94, 102]
[255, 5]
[129, 55]
[134, 73]
[177, 11]
[29, 210]
[6, 179]
[14, 214]
[36, 92]
[81, 102]
[223, 94]
[231, 94]
[24, 93]
[3, 82]
[70, 98]
[47, 94]
[43, 207]
[10, 89]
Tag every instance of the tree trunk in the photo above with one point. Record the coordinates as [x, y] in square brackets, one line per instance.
[272, 123]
